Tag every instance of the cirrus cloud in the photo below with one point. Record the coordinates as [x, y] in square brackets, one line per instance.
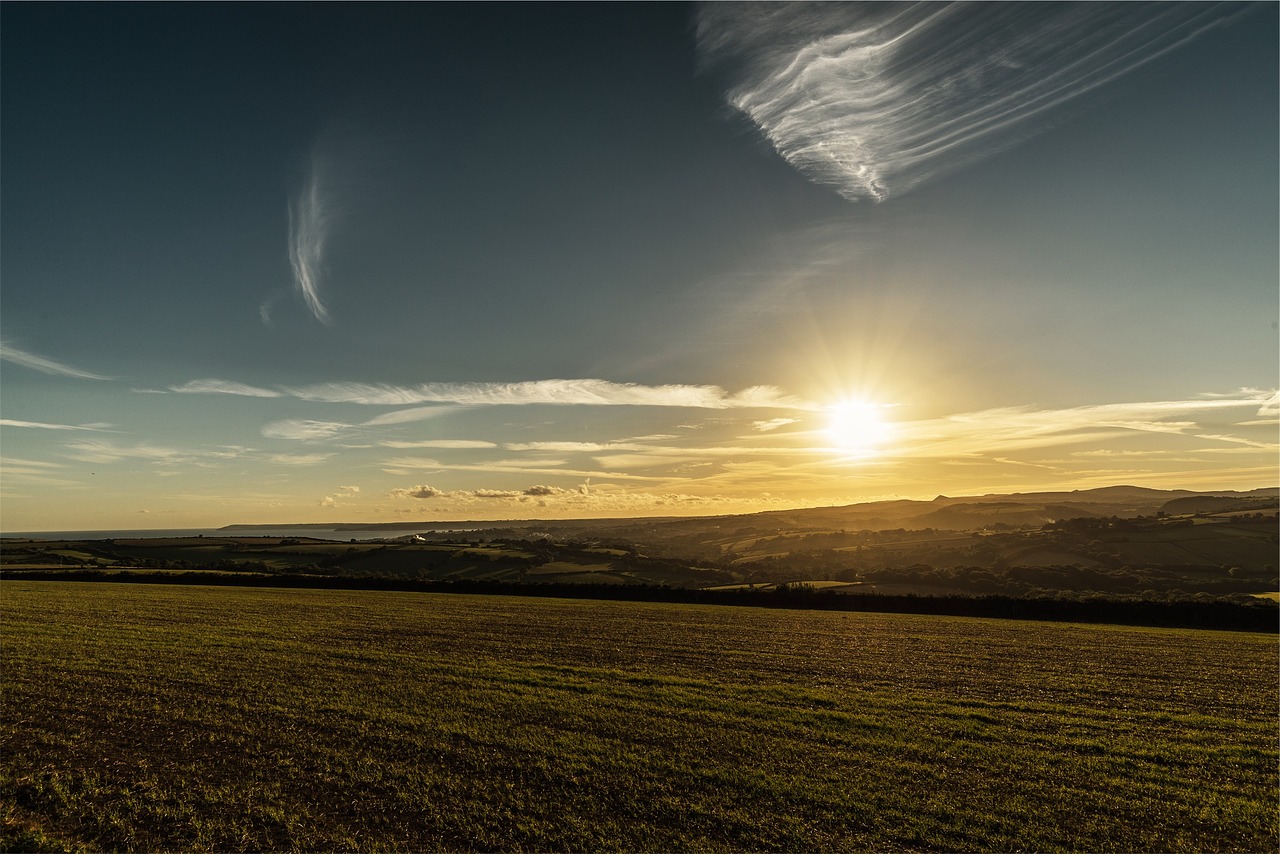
[10, 353]
[216, 386]
[555, 392]
[876, 99]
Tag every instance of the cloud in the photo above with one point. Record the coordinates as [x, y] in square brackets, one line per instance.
[876, 99]
[457, 444]
[298, 459]
[96, 427]
[773, 424]
[1009, 429]
[581, 392]
[309, 223]
[556, 392]
[95, 451]
[421, 491]
[409, 416]
[572, 447]
[9, 353]
[304, 430]
[350, 489]
[399, 465]
[13, 462]
[39, 472]
[1270, 406]
[607, 500]
[544, 490]
[215, 386]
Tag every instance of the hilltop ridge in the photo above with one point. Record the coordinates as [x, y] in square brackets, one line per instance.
[943, 512]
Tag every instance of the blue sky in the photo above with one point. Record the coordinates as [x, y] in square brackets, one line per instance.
[310, 262]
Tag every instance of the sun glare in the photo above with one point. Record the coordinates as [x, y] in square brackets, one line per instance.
[857, 425]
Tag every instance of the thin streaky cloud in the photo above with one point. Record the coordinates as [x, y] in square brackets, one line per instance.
[299, 459]
[7, 462]
[216, 386]
[573, 447]
[9, 353]
[410, 416]
[876, 99]
[304, 430]
[94, 451]
[1013, 428]
[96, 428]
[772, 424]
[309, 223]
[1237, 440]
[457, 444]
[548, 467]
[555, 392]
[564, 392]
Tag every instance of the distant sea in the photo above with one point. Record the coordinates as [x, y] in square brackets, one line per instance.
[156, 533]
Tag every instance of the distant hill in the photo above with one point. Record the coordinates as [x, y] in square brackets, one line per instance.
[964, 513]
[1215, 504]
[1018, 509]
[1118, 541]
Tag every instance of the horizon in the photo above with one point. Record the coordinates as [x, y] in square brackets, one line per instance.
[601, 261]
[339, 524]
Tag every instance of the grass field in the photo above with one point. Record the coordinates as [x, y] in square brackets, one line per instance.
[192, 718]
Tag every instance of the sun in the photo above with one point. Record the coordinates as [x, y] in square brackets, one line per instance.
[857, 425]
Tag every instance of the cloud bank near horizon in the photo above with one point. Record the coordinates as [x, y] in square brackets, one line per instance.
[877, 99]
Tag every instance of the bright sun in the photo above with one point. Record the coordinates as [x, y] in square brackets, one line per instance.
[857, 425]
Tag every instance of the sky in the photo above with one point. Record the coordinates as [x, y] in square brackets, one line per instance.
[273, 263]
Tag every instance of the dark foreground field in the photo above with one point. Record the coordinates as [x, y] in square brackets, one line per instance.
[194, 718]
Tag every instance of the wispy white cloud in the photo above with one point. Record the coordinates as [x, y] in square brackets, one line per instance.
[557, 392]
[455, 444]
[299, 459]
[1008, 429]
[1270, 407]
[304, 430]
[309, 223]
[401, 465]
[95, 451]
[10, 353]
[95, 427]
[773, 424]
[876, 99]
[411, 416]
[216, 386]
[98, 451]
[573, 447]
[36, 472]
[14, 462]
[583, 392]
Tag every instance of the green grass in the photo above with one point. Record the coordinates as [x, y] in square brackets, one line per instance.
[192, 718]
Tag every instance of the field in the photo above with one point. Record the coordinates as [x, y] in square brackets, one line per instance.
[193, 718]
